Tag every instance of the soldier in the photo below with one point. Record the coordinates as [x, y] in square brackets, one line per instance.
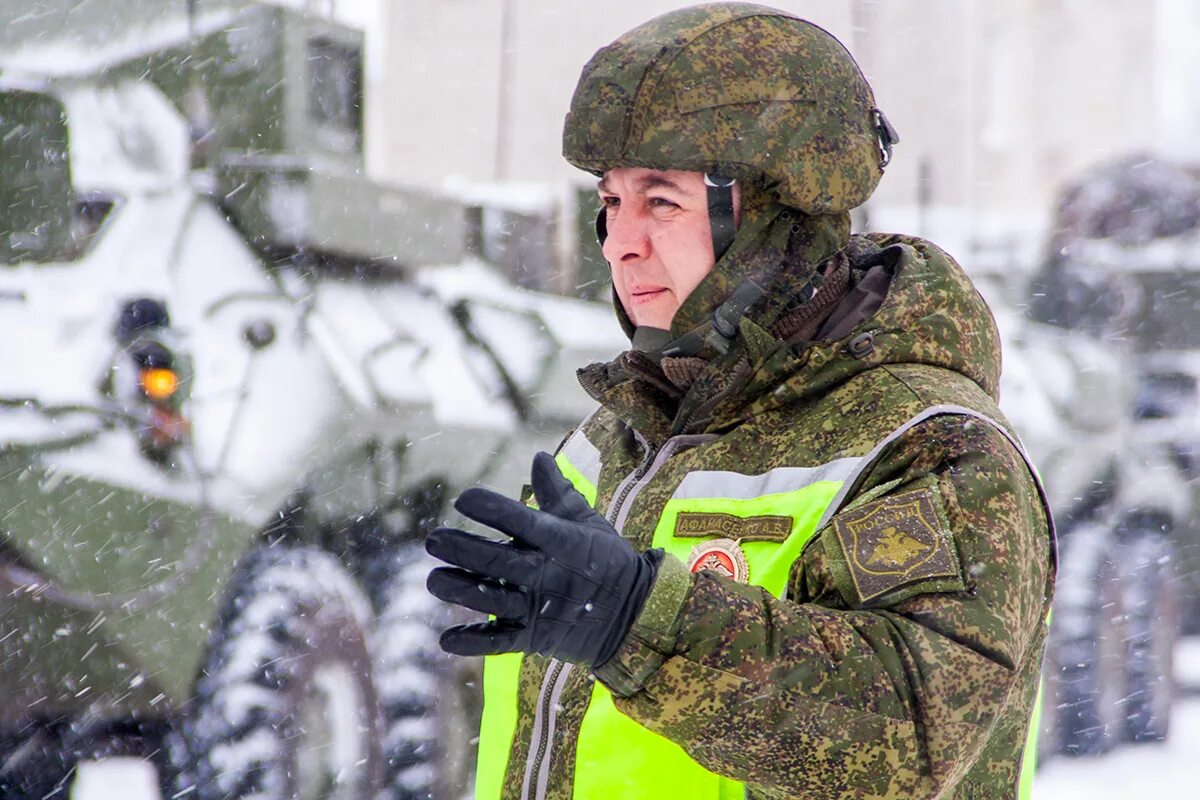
[796, 552]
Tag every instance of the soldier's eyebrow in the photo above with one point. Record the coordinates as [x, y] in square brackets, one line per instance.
[645, 184]
[649, 182]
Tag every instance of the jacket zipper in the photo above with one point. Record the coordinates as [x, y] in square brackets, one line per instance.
[539, 747]
[631, 480]
[655, 459]
[535, 781]
[537, 773]
[552, 674]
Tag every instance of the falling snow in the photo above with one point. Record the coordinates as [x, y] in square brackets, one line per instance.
[351, 354]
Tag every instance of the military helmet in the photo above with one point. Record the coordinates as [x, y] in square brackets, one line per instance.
[736, 90]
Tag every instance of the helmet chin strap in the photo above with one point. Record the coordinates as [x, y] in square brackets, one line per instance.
[720, 212]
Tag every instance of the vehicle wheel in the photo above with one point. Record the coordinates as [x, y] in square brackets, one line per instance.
[286, 705]
[430, 699]
[36, 765]
[1088, 638]
[1152, 605]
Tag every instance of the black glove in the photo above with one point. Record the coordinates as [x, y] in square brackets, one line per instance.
[567, 586]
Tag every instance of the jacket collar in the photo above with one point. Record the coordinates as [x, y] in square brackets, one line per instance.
[931, 315]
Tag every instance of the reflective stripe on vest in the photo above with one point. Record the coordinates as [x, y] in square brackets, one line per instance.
[579, 462]
[616, 756]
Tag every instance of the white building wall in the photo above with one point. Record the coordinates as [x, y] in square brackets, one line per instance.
[997, 101]
[1177, 78]
[479, 88]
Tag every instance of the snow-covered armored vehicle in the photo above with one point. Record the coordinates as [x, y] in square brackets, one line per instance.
[1071, 396]
[1124, 267]
[234, 385]
[1114, 306]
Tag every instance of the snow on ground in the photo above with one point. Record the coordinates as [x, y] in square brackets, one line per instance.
[115, 779]
[1162, 771]
[1166, 770]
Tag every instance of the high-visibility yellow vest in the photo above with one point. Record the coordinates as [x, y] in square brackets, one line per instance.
[616, 756]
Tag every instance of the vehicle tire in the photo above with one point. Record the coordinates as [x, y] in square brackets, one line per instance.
[35, 765]
[286, 705]
[430, 699]
[1152, 606]
[1088, 640]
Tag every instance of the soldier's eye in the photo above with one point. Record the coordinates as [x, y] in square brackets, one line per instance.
[610, 201]
[663, 206]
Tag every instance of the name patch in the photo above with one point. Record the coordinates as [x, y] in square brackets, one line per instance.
[699, 524]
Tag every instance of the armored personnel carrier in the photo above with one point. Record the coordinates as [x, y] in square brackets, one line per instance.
[1118, 294]
[1118, 505]
[237, 379]
[1123, 267]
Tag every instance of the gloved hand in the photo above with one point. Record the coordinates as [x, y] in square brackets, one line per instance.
[566, 586]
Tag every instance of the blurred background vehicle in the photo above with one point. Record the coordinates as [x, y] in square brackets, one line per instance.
[1120, 270]
[238, 380]
[1120, 508]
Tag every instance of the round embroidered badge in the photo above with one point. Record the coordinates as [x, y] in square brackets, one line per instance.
[722, 556]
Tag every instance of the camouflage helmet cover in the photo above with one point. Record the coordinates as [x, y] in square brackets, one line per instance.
[734, 89]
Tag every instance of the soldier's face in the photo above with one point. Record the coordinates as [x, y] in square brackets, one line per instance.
[659, 242]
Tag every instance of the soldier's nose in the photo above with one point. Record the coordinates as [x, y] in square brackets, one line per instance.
[627, 241]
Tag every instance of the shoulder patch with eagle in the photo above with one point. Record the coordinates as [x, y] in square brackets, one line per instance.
[894, 548]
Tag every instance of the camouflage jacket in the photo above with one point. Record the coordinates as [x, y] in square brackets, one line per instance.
[917, 685]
